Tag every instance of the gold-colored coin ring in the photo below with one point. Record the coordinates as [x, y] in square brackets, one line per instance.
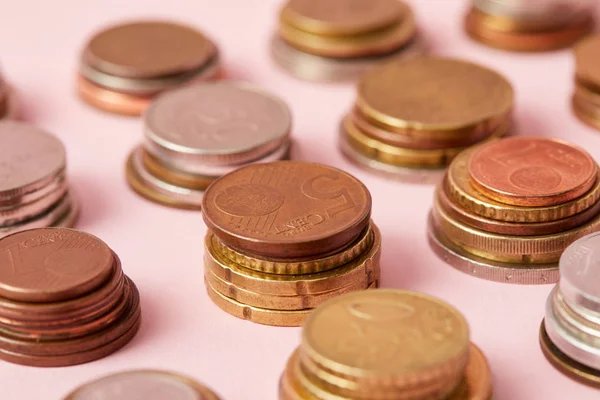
[260, 315]
[175, 177]
[462, 193]
[565, 364]
[588, 92]
[398, 156]
[479, 29]
[511, 249]
[466, 217]
[110, 101]
[591, 119]
[297, 267]
[362, 269]
[379, 42]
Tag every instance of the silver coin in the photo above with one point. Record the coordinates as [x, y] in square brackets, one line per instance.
[35, 159]
[143, 385]
[315, 68]
[215, 124]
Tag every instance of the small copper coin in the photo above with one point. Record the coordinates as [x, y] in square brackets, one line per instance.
[52, 264]
[587, 59]
[532, 171]
[148, 49]
[287, 209]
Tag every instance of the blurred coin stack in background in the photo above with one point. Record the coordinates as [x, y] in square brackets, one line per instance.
[571, 328]
[8, 101]
[386, 344]
[64, 300]
[284, 237]
[506, 210]
[586, 99]
[412, 118]
[123, 67]
[526, 25]
[339, 40]
[195, 134]
[34, 191]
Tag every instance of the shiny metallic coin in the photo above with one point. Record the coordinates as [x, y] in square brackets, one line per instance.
[556, 11]
[143, 384]
[15, 215]
[111, 101]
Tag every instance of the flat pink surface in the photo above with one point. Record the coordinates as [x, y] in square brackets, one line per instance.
[161, 248]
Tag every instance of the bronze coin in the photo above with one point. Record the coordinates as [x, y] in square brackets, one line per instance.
[52, 264]
[587, 59]
[287, 209]
[148, 49]
[532, 171]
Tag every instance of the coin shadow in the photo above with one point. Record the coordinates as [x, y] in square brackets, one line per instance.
[528, 124]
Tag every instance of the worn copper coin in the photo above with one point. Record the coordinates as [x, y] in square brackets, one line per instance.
[148, 49]
[287, 209]
[532, 171]
[52, 264]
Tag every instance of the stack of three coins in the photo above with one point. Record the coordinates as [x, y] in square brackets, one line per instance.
[410, 119]
[34, 191]
[386, 344]
[508, 209]
[284, 237]
[586, 99]
[64, 299]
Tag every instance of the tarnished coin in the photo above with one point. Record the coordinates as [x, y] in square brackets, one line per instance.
[287, 209]
[587, 59]
[143, 384]
[532, 171]
[52, 264]
[148, 50]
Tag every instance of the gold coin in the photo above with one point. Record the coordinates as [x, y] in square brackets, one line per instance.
[588, 94]
[174, 177]
[297, 267]
[398, 156]
[462, 193]
[364, 269]
[587, 60]
[434, 94]
[584, 114]
[392, 337]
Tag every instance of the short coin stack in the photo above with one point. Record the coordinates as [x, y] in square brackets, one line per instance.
[284, 237]
[586, 99]
[195, 134]
[34, 191]
[64, 299]
[411, 118]
[386, 344]
[570, 331]
[530, 25]
[508, 209]
[124, 66]
[338, 40]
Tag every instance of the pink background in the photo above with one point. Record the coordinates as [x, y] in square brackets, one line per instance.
[161, 248]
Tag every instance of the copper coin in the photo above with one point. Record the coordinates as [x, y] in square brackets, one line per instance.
[287, 209]
[52, 264]
[587, 59]
[110, 101]
[148, 49]
[532, 171]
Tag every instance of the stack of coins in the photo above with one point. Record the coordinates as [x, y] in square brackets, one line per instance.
[411, 118]
[386, 344]
[525, 25]
[34, 192]
[586, 99]
[64, 299]
[195, 134]
[338, 40]
[124, 66]
[508, 209]
[143, 385]
[284, 237]
[570, 331]
[8, 101]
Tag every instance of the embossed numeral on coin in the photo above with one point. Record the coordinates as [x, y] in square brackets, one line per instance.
[309, 190]
[16, 260]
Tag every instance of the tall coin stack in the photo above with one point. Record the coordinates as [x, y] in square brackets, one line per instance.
[284, 237]
[34, 191]
[570, 331]
[195, 134]
[525, 25]
[64, 299]
[386, 344]
[411, 118]
[339, 40]
[8, 101]
[123, 67]
[508, 209]
[586, 99]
